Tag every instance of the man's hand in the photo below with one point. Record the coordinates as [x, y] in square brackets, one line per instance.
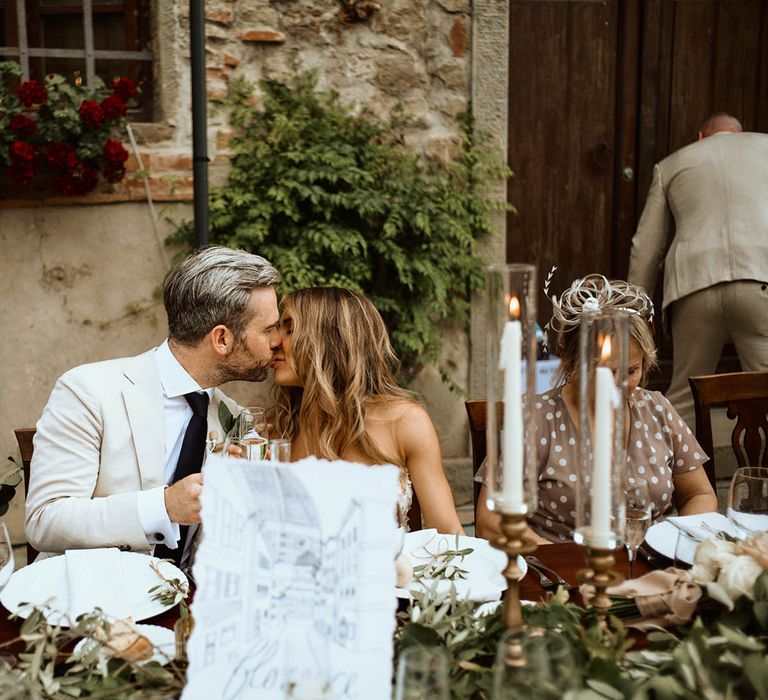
[182, 500]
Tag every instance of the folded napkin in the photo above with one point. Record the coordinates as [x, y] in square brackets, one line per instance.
[95, 580]
[703, 526]
[663, 598]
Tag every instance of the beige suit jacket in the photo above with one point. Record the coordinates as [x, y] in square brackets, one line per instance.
[707, 210]
[99, 441]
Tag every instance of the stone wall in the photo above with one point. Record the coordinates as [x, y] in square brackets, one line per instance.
[79, 277]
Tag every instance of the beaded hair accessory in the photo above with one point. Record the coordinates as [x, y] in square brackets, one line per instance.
[593, 294]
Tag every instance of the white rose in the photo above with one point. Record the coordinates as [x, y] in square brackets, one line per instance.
[738, 578]
[711, 556]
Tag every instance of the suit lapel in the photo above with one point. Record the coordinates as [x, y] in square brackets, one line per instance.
[143, 396]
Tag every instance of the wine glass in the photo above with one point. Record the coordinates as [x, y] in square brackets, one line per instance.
[748, 500]
[248, 438]
[422, 674]
[534, 663]
[638, 517]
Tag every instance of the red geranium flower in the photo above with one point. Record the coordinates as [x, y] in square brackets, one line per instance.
[64, 185]
[22, 152]
[113, 108]
[61, 156]
[124, 88]
[21, 173]
[31, 93]
[91, 114]
[114, 153]
[22, 126]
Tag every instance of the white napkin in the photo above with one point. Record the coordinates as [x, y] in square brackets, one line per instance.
[95, 579]
[703, 526]
[483, 565]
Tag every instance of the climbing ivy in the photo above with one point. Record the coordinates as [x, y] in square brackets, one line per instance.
[336, 198]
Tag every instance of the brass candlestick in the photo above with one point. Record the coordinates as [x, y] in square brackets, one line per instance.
[601, 575]
[513, 542]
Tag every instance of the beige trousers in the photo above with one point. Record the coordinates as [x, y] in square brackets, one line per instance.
[704, 321]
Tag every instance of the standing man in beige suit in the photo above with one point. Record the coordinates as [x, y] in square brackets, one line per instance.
[707, 212]
[120, 444]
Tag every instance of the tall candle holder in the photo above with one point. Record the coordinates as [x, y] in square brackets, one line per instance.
[511, 481]
[600, 506]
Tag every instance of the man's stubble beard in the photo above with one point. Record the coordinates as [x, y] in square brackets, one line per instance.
[233, 372]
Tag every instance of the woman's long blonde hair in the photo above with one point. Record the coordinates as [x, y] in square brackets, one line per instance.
[344, 361]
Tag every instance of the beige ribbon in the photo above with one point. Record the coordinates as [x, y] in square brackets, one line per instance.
[663, 598]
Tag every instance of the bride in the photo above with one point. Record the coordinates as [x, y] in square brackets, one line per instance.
[338, 398]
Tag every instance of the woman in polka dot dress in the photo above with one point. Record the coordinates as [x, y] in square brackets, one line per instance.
[660, 447]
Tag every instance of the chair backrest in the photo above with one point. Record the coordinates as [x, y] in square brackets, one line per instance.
[414, 514]
[745, 395]
[26, 447]
[477, 413]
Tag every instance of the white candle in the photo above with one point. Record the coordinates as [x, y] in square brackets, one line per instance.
[605, 392]
[510, 362]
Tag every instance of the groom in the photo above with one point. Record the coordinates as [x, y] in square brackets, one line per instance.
[119, 446]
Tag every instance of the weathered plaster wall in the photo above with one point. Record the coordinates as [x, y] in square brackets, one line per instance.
[77, 279]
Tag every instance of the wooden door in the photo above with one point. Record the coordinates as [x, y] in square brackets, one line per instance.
[699, 57]
[562, 135]
[599, 91]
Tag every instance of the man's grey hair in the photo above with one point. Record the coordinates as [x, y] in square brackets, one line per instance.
[213, 286]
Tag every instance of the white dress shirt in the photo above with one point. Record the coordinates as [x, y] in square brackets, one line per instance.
[176, 415]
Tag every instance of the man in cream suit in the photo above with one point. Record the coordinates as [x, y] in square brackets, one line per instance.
[716, 264]
[110, 442]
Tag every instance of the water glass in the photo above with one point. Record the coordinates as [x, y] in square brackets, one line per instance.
[533, 664]
[748, 500]
[248, 438]
[422, 674]
[280, 451]
[638, 517]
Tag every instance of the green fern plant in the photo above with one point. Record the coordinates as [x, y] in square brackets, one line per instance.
[335, 198]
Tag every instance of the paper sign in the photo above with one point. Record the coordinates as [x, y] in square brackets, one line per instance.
[295, 577]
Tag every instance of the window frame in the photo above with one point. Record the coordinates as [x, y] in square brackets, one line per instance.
[88, 53]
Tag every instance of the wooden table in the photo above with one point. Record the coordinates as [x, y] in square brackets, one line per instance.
[567, 559]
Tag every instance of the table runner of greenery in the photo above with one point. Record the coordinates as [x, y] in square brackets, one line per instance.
[723, 653]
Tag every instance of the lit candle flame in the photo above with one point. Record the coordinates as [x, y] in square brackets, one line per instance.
[514, 309]
[605, 352]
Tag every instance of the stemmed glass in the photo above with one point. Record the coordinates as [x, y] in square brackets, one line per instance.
[249, 437]
[638, 517]
[748, 500]
[533, 664]
[422, 674]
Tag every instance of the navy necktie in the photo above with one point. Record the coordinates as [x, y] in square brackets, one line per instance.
[190, 462]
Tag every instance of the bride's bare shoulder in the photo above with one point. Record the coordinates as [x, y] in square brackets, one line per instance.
[396, 409]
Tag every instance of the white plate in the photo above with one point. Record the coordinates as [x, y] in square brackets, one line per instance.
[662, 537]
[161, 638]
[45, 582]
[484, 565]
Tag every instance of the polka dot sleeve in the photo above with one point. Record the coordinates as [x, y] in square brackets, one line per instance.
[687, 454]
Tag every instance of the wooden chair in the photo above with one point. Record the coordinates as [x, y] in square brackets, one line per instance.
[745, 395]
[414, 514]
[477, 413]
[24, 438]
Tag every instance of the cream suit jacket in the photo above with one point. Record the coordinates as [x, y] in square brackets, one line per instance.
[99, 441]
[715, 192]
